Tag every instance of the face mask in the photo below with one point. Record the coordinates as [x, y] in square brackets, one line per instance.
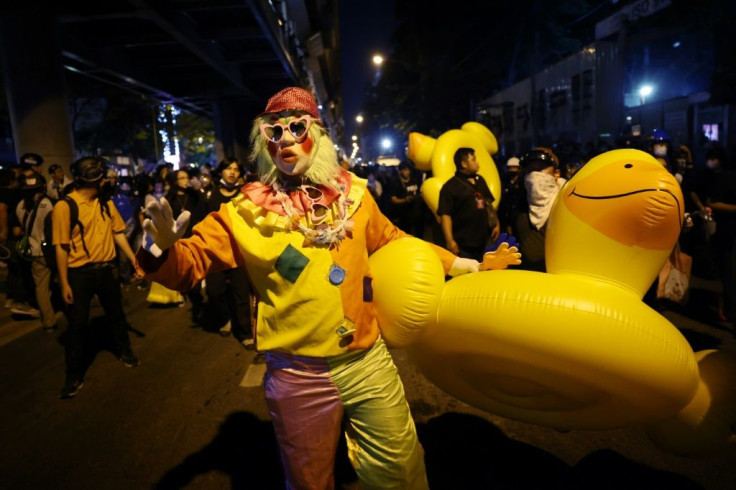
[660, 151]
[228, 186]
[540, 184]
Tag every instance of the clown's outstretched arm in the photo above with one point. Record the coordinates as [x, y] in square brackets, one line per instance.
[180, 264]
[381, 231]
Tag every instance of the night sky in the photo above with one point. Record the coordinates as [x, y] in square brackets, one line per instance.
[365, 28]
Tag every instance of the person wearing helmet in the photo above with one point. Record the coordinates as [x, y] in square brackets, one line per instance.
[31, 212]
[86, 230]
[660, 147]
[541, 184]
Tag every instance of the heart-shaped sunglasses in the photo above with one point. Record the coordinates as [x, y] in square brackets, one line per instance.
[299, 129]
[319, 211]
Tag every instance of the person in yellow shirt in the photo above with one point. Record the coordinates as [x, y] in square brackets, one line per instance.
[303, 235]
[85, 232]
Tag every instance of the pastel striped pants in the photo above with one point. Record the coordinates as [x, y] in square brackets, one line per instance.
[308, 398]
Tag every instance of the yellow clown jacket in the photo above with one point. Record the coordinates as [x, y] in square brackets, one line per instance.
[313, 300]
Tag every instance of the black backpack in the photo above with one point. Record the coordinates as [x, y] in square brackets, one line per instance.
[49, 251]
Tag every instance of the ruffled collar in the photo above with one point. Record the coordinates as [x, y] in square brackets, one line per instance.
[263, 206]
[265, 196]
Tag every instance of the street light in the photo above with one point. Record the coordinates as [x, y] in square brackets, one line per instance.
[377, 59]
[359, 118]
[386, 143]
[644, 92]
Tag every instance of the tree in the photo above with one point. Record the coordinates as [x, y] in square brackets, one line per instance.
[196, 138]
[107, 120]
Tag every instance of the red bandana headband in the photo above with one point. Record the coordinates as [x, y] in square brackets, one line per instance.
[292, 99]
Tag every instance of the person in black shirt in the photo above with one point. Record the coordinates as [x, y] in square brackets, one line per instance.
[721, 198]
[513, 195]
[228, 291]
[182, 197]
[469, 223]
[406, 204]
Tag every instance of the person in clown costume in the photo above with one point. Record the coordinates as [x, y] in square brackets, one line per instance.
[304, 233]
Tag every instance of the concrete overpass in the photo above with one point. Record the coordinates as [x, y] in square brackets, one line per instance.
[220, 59]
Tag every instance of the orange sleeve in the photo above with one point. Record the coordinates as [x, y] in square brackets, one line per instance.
[60, 224]
[381, 230]
[211, 248]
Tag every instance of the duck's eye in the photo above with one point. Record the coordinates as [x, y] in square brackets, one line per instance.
[628, 165]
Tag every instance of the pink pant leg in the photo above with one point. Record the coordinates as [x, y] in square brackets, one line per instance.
[306, 411]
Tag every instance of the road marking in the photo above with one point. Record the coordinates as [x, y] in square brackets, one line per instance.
[253, 376]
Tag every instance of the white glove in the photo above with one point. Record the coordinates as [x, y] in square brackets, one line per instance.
[463, 266]
[161, 231]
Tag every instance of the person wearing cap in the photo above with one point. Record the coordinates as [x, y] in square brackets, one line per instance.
[31, 212]
[30, 163]
[85, 257]
[303, 234]
[60, 183]
[513, 199]
[541, 185]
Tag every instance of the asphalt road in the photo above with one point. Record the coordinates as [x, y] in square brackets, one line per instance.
[192, 415]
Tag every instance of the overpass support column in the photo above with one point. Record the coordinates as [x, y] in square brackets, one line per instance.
[232, 130]
[34, 84]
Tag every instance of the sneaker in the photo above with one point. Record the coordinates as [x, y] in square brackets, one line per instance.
[247, 343]
[129, 358]
[25, 309]
[225, 329]
[71, 388]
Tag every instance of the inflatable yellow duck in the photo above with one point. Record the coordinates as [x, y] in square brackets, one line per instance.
[575, 348]
[436, 155]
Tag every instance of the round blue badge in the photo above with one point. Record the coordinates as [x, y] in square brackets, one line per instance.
[337, 274]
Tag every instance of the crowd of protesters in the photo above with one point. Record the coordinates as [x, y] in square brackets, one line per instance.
[34, 201]
[223, 301]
